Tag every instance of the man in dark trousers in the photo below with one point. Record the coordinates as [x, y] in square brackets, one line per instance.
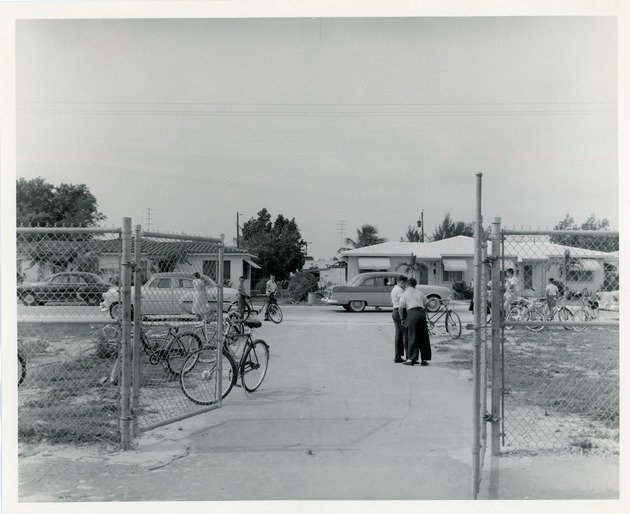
[412, 309]
[400, 332]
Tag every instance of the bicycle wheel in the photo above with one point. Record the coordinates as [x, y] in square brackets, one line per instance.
[565, 315]
[178, 350]
[534, 315]
[515, 314]
[453, 324]
[253, 365]
[274, 312]
[114, 375]
[21, 368]
[583, 316]
[199, 376]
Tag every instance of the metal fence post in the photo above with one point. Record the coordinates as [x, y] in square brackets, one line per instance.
[477, 262]
[497, 368]
[219, 394]
[137, 328]
[125, 408]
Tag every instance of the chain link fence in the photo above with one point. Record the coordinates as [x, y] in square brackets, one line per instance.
[64, 395]
[172, 326]
[71, 329]
[560, 341]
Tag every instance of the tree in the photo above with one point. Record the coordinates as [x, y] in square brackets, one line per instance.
[413, 235]
[367, 235]
[589, 242]
[449, 228]
[41, 203]
[278, 246]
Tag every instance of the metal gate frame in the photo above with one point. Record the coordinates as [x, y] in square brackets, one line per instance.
[132, 379]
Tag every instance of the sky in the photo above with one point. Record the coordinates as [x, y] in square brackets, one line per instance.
[181, 124]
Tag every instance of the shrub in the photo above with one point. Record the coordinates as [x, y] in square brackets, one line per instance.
[301, 284]
[462, 291]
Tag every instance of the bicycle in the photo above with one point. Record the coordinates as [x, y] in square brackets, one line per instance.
[172, 349]
[452, 322]
[539, 311]
[270, 307]
[588, 311]
[199, 374]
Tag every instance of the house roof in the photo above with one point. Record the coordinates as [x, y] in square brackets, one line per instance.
[454, 246]
[464, 246]
[114, 246]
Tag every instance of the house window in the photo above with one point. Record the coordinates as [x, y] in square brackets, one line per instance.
[227, 271]
[210, 270]
[453, 276]
[579, 276]
[528, 276]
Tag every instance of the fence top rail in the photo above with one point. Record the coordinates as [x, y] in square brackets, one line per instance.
[182, 237]
[65, 230]
[604, 233]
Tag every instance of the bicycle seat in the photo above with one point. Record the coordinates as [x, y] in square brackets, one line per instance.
[253, 323]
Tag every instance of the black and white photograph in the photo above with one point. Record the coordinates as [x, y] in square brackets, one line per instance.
[312, 256]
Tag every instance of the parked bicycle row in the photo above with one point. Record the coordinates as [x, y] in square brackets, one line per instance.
[188, 352]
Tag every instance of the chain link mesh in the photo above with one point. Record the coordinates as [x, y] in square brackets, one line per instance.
[173, 326]
[69, 329]
[561, 366]
[65, 395]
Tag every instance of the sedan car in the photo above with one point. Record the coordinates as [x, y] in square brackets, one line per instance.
[67, 286]
[167, 294]
[374, 289]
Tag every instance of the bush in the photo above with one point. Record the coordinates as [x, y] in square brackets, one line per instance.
[301, 284]
[462, 291]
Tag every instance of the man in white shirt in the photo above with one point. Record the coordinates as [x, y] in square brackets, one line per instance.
[400, 333]
[551, 292]
[412, 309]
[270, 290]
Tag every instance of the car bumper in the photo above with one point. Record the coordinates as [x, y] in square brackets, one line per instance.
[330, 301]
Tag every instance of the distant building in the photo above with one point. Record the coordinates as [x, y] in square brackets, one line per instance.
[447, 261]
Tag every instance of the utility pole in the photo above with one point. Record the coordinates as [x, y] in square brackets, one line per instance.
[422, 222]
[148, 213]
[342, 224]
[238, 237]
[421, 226]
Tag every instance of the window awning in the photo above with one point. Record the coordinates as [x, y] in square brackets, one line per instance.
[251, 263]
[380, 263]
[455, 264]
[590, 265]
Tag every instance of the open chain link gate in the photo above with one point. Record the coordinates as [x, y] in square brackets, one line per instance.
[92, 372]
[545, 373]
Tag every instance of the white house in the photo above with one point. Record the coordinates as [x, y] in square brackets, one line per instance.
[447, 261]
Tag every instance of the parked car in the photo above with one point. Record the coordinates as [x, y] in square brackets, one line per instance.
[374, 289]
[67, 286]
[168, 294]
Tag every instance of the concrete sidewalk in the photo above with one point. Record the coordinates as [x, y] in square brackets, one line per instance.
[335, 419]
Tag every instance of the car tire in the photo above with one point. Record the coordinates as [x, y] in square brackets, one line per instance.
[433, 303]
[356, 306]
[115, 311]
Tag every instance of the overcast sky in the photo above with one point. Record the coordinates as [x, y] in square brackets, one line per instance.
[335, 122]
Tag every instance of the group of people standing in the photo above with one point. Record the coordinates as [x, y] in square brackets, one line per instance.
[411, 338]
